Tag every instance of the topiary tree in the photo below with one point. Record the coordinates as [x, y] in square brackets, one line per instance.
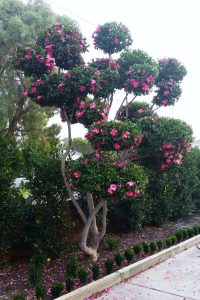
[84, 93]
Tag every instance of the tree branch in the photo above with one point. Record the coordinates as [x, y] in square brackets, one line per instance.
[103, 228]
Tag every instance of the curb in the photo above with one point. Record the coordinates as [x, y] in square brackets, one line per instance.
[126, 272]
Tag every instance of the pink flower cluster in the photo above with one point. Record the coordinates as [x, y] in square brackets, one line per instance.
[141, 83]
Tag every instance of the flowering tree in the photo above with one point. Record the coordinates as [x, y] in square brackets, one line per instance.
[83, 92]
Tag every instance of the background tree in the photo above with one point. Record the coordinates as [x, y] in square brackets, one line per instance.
[114, 171]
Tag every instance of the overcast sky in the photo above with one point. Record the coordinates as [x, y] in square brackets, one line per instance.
[163, 28]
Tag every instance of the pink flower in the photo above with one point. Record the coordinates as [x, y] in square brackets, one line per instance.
[57, 26]
[135, 138]
[97, 155]
[93, 81]
[130, 193]
[61, 86]
[177, 161]
[89, 135]
[134, 83]
[27, 56]
[98, 29]
[39, 58]
[122, 164]
[184, 140]
[39, 98]
[166, 92]
[112, 188]
[86, 161]
[150, 79]
[145, 87]
[166, 146]
[125, 135]
[68, 74]
[187, 147]
[38, 82]
[82, 88]
[140, 111]
[92, 88]
[82, 104]
[103, 131]
[25, 93]
[79, 114]
[130, 183]
[77, 174]
[95, 130]
[165, 102]
[117, 146]
[104, 116]
[163, 167]
[18, 62]
[92, 105]
[116, 41]
[97, 73]
[113, 132]
[34, 90]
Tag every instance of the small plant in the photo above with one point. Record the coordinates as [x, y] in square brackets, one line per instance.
[35, 272]
[19, 296]
[137, 249]
[190, 232]
[185, 234]
[69, 283]
[195, 230]
[169, 242]
[152, 246]
[179, 235]
[3, 264]
[198, 229]
[40, 292]
[173, 239]
[118, 259]
[129, 254]
[72, 266]
[95, 271]
[109, 266]
[82, 275]
[159, 245]
[56, 289]
[146, 247]
[113, 243]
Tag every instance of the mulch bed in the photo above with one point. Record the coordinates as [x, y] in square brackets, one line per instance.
[14, 277]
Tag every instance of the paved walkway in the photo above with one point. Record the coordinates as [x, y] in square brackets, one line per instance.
[177, 278]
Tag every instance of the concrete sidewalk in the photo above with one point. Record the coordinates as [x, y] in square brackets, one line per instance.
[177, 278]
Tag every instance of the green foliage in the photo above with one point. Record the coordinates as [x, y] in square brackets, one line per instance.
[146, 247]
[152, 246]
[137, 249]
[136, 111]
[159, 245]
[95, 271]
[19, 296]
[185, 233]
[179, 235]
[119, 259]
[113, 243]
[129, 254]
[40, 292]
[57, 289]
[82, 275]
[69, 283]
[35, 272]
[72, 266]
[190, 232]
[112, 37]
[169, 242]
[173, 239]
[109, 266]
[195, 230]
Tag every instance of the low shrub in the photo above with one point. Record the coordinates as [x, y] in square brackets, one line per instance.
[72, 266]
[109, 266]
[118, 259]
[146, 247]
[152, 246]
[184, 233]
[19, 296]
[173, 239]
[95, 271]
[179, 235]
[40, 292]
[137, 249]
[57, 289]
[35, 272]
[159, 245]
[82, 275]
[169, 242]
[190, 232]
[129, 254]
[69, 283]
[113, 243]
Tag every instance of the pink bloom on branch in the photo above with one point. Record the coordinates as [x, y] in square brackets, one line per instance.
[34, 90]
[145, 87]
[184, 140]
[112, 188]
[122, 164]
[131, 193]
[77, 174]
[68, 74]
[165, 102]
[82, 88]
[163, 167]
[116, 41]
[25, 93]
[130, 183]
[80, 114]
[134, 83]
[39, 58]
[187, 147]
[61, 86]
[86, 161]
[92, 88]
[135, 138]
[117, 146]
[104, 116]
[92, 105]
[97, 73]
[125, 135]
[113, 132]
[82, 104]
[95, 130]
[166, 146]
[93, 81]
[27, 56]
[150, 79]
[140, 111]
[98, 29]
[166, 92]
[39, 98]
